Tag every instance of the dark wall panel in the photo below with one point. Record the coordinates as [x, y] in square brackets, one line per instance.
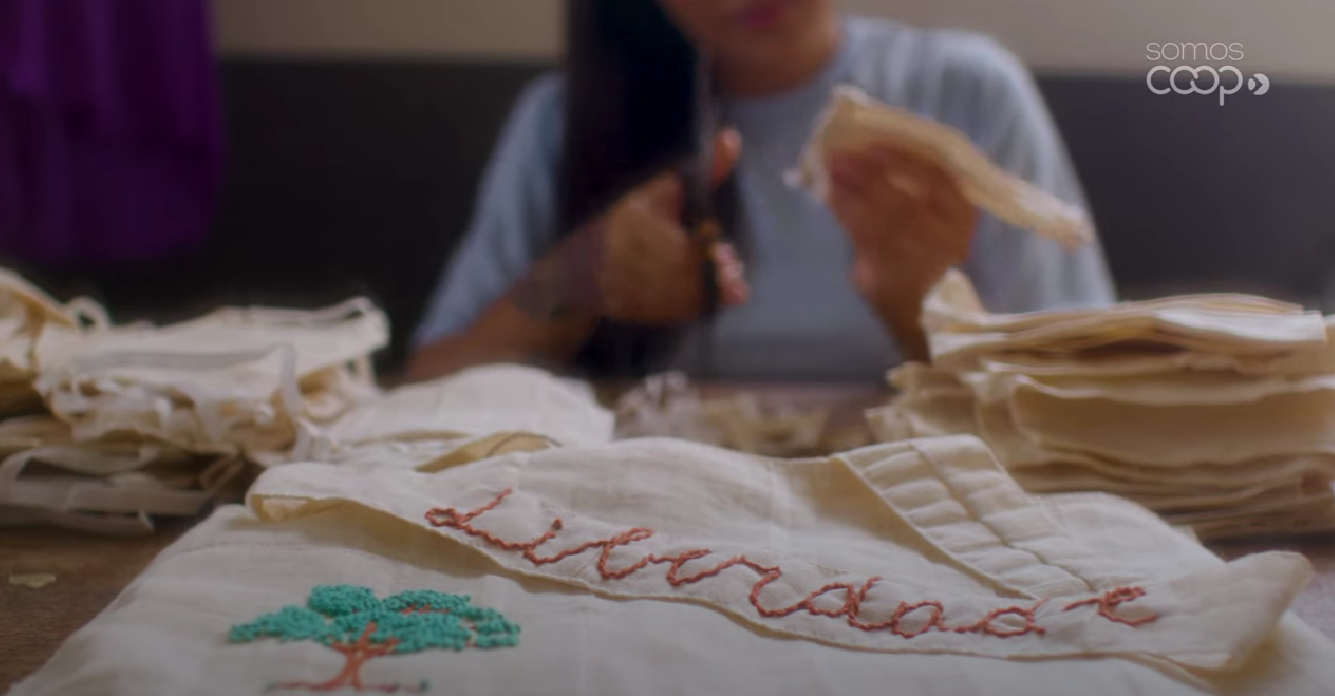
[1193, 195]
[355, 176]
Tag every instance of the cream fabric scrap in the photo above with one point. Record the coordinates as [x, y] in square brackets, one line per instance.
[479, 412]
[960, 334]
[1298, 422]
[936, 520]
[667, 405]
[1115, 363]
[853, 119]
[26, 314]
[1213, 410]
[482, 400]
[947, 521]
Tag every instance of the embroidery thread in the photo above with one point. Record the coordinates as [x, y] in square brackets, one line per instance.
[854, 595]
[1109, 601]
[351, 621]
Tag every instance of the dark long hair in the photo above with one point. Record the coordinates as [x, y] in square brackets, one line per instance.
[630, 84]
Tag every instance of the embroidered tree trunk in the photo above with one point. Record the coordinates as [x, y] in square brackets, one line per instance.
[355, 655]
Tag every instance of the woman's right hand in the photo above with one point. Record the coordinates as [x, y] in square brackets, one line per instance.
[650, 266]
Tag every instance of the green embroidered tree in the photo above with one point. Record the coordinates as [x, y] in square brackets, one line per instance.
[351, 621]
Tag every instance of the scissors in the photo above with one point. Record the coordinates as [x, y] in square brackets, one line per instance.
[699, 214]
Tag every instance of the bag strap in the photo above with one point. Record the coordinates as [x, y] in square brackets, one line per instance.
[71, 495]
[99, 495]
[334, 314]
[288, 390]
[77, 459]
[88, 314]
[136, 524]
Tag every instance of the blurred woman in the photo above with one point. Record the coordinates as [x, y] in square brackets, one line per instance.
[577, 258]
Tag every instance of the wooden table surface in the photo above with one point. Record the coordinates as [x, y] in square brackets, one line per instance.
[91, 571]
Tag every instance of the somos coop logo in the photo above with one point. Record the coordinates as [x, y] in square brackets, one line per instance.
[1174, 73]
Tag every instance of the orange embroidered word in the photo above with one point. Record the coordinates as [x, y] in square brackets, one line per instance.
[849, 610]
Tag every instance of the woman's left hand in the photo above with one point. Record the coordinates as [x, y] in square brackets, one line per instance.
[907, 218]
[909, 223]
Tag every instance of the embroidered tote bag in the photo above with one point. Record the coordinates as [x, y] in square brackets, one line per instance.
[663, 567]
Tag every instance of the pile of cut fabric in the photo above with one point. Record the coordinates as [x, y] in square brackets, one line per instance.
[104, 428]
[667, 405]
[107, 426]
[1216, 411]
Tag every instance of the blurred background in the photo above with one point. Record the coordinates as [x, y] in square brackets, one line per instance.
[354, 133]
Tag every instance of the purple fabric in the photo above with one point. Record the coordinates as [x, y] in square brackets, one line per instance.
[111, 141]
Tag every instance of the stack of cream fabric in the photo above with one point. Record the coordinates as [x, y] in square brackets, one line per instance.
[236, 381]
[1216, 411]
[109, 426]
[656, 566]
[26, 314]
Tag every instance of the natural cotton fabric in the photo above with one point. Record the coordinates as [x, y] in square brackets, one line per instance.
[937, 519]
[1214, 410]
[107, 426]
[667, 405]
[479, 412]
[855, 120]
[991, 546]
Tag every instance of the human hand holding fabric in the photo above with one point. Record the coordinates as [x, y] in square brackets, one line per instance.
[650, 270]
[909, 223]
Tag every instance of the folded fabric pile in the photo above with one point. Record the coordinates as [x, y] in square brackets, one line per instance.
[667, 406]
[26, 313]
[658, 566]
[110, 425]
[1216, 411]
[103, 428]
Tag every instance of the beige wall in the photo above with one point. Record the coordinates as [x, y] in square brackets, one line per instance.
[1281, 37]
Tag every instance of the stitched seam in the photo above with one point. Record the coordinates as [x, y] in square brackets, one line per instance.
[964, 502]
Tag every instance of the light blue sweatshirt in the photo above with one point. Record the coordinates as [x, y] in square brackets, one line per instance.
[804, 319]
